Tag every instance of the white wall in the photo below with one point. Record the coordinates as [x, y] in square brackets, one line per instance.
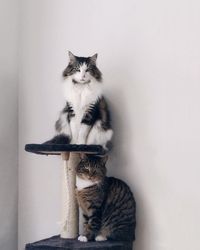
[150, 55]
[8, 123]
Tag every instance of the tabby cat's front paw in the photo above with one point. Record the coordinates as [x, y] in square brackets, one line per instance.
[82, 238]
[100, 238]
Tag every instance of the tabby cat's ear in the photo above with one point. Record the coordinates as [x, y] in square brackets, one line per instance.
[72, 57]
[94, 58]
[104, 159]
[83, 156]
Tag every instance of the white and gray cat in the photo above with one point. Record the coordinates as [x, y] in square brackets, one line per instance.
[85, 119]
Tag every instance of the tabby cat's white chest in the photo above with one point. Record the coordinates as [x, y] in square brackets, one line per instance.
[81, 183]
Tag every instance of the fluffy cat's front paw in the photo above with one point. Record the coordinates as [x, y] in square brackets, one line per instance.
[81, 141]
[100, 238]
[82, 238]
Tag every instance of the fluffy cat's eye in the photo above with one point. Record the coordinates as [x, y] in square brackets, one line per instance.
[77, 69]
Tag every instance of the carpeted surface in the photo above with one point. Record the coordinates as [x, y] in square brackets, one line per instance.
[57, 243]
[55, 149]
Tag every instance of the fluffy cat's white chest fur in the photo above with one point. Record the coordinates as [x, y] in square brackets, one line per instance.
[81, 183]
[80, 96]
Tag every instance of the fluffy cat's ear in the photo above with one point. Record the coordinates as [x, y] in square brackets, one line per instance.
[72, 57]
[104, 159]
[94, 58]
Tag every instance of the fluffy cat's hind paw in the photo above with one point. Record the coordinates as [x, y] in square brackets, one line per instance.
[82, 238]
[59, 139]
[100, 238]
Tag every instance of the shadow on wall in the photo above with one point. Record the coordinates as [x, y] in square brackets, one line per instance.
[122, 163]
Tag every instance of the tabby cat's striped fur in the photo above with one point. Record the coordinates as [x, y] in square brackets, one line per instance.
[107, 203]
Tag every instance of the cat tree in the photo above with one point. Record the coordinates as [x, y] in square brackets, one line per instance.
[67, 240]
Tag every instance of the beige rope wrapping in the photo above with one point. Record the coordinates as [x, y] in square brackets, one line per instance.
[69, 207]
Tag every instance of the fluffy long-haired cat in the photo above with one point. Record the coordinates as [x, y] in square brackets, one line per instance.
[107, 203]
[85, 119]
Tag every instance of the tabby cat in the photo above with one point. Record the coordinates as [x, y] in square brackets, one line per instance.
[85, 118]
[107, 203]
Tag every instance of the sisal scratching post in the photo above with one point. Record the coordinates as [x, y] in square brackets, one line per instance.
[69, 213]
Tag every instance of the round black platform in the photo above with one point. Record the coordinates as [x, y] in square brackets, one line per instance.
[57, 243]
[56, 149]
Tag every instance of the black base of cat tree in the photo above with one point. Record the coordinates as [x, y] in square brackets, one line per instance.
[64, 243]
[57, 243]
